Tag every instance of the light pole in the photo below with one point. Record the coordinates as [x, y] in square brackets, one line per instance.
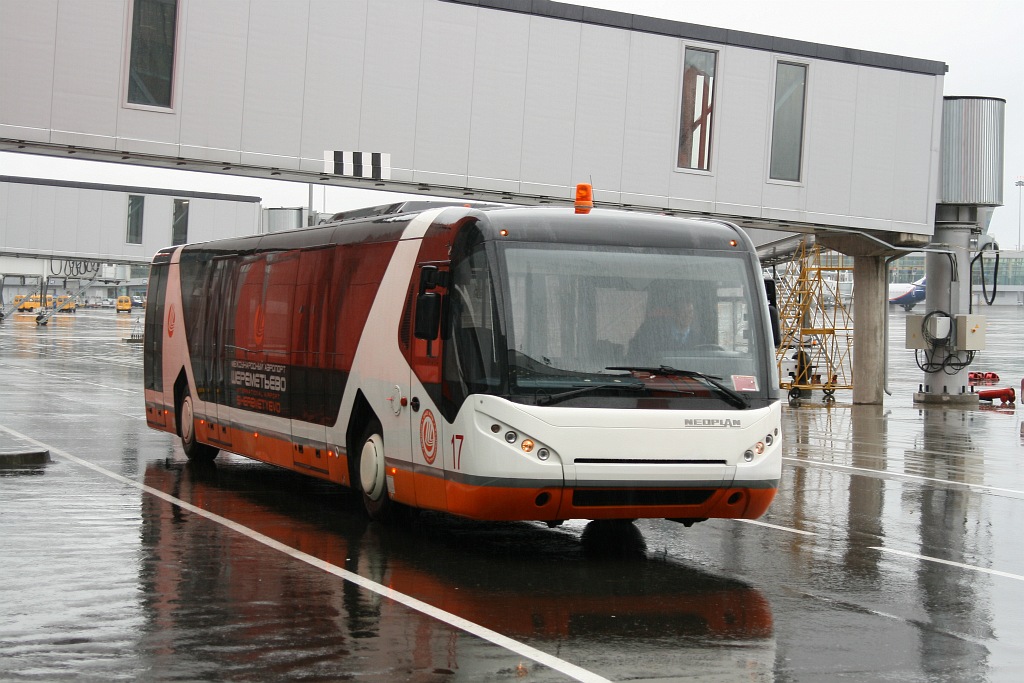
[1019, 184]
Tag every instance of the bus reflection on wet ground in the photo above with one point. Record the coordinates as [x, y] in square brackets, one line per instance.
[551, 589]
[890, 552]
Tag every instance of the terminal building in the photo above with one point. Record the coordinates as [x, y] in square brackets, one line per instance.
[517, 101]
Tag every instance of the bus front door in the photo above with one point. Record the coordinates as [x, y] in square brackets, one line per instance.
[426, 426]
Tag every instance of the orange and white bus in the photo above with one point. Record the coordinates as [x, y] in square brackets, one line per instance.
[482, 362]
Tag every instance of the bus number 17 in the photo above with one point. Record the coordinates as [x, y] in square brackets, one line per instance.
[457, 450]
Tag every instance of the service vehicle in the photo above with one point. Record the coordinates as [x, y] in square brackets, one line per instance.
[481, 362]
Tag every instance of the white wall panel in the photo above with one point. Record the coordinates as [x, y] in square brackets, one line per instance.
[549, 114]
[87, 72]
[67, 208]
[601, 110]
[108, 217]
[499, 100]
[915, 201]
[445, 95]
[651, 110]
[211, 100]
[5, 207]
[27, 51]
[875, 140]
[332, 98]
[17, 211]
[276, 59]
[391, 82]
[828, 166]
[88, 236]
[739, 139]
[41, 223]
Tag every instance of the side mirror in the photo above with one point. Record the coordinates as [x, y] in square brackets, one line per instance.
[428, 303]
[428, 315]
[773, 313]
[430, 277]
[773, 310]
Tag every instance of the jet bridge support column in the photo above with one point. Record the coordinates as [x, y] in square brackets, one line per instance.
[869, 316]
[944, 357]
[870, 312]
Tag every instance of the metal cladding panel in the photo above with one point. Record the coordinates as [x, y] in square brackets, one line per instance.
[391, 74]
[87, 72]
[549, 120]
[334, 80]
[600, 109]
[913, 183]
[276, 55]
[971, 169]
[830, 135]
[212, 99]
[26, 62]
[652, 101]
[445, 101]
[22, 230]
[499, 99]
[110, 210]
[738, 149]
[874, 145]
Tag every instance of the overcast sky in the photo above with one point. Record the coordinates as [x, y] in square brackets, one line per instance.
[981, 41]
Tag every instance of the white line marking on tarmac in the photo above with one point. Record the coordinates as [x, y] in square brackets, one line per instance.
[776, 526]
[917, 477]
[65, 378]
[994, 572]
[571, 670]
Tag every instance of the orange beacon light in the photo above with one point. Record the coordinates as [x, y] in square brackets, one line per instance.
[584, 198]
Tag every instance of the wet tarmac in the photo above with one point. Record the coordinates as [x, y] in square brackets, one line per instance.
[892, 551]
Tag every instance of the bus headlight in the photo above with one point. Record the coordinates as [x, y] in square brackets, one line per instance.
[543, 454]
[510, 437]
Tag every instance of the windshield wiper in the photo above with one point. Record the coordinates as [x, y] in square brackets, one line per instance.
[547, 399]
[734, 397]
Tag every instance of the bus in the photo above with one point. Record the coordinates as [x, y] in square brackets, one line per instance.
[479, 362]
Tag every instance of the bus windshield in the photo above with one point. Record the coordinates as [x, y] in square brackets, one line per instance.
[569, 320]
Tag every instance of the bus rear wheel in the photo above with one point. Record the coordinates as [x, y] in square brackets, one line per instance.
[194, 449]
[372, 473]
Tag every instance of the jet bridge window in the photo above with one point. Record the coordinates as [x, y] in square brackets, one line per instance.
[151, 60]
[697, 109]
[136, 205]
[788, 121]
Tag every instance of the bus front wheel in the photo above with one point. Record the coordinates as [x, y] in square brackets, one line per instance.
[194, 449]
[372, 473]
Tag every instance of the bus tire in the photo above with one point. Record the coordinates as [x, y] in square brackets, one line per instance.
[194, 449]
[372, 473]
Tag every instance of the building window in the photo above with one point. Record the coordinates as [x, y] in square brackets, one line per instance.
[135, 205]
[788, 121]
[179, 228]
[151, 62]
[697, 109]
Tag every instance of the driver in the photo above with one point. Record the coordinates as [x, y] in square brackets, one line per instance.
[669, 327]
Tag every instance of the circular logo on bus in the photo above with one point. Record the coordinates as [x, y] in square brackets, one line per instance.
[171, 320]
[428, 437]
